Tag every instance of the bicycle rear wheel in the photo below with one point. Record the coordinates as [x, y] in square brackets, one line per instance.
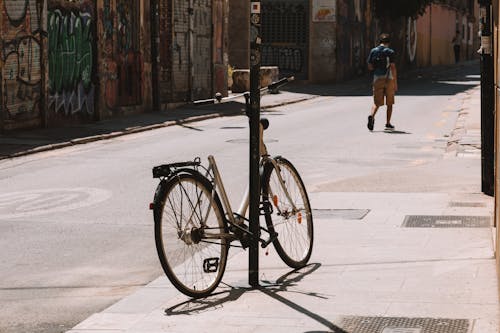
[291, 215]
[189, 225]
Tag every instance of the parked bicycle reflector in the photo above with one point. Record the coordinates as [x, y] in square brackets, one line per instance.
[275, 200]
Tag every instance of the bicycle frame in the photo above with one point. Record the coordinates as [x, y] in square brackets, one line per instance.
[241, 212]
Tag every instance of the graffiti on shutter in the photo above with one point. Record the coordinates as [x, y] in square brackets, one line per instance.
[20, 66]
[180, 51]
[71, 61]
[202, 49]
[165, 51]
[129, 60]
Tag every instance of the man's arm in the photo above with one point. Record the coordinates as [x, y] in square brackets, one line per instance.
[394, 75]
[369, 62]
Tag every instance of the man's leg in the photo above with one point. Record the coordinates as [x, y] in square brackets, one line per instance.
[389, 102]
[371, 117]
[378, 100]
[389, 113]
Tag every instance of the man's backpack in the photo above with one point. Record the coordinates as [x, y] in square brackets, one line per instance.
[380, 59]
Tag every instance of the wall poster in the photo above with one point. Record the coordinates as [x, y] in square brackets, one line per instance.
[324, 10]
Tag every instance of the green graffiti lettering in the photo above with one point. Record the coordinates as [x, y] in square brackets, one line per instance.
[70, 51]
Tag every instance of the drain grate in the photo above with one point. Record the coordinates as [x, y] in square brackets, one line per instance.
[346, 214]
[353, 324]
[446, 221]
[467, 204]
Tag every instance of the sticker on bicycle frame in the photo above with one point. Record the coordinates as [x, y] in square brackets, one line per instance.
[210, 265]
[255, 9]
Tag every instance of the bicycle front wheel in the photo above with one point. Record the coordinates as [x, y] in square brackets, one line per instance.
[290, 215]
[189, 234]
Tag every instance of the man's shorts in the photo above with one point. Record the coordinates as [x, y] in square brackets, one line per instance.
[383, 88]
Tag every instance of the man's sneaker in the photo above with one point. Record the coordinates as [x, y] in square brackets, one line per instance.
[389, 127]
[371, 122]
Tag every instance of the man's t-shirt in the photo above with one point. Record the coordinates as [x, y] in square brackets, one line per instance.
[381, 57]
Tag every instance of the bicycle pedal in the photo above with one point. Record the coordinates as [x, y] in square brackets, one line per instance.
[265, 208]
[210, 265]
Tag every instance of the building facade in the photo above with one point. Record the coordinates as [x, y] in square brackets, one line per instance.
[436, 29]
[67, 62]
[328, 41]
[495, 49]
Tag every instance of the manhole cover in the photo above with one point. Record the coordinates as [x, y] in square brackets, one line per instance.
[346, 214]
[247, 141]
[403, 325]
[446, 221]
[467, 204]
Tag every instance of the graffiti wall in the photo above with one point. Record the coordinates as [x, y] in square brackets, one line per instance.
[353, 38]
[21, 75]
[187, 48]
[202, 50]
[71, 59]
[121, 60]
[220, 47]
[180, 51]
[128, 57]
[164, 50]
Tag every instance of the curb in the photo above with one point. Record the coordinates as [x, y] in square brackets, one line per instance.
[112, 135]
[139, 129]
[459, 130]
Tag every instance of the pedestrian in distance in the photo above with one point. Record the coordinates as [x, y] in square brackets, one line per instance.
[381, 62]
[456, 46]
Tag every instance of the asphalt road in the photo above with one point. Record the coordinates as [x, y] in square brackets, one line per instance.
[77, 234]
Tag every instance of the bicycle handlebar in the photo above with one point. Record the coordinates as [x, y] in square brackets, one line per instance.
[273, 87]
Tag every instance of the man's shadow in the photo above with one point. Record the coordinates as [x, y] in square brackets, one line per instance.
[269, 288]
[391, 132]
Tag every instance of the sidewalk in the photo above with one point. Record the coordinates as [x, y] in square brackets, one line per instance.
[407, 263]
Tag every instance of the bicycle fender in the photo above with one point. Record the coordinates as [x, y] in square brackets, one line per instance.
[162, 185]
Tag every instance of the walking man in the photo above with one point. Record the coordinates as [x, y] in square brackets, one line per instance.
[385, 83]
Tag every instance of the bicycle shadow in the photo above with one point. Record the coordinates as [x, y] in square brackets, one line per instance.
[269, 288]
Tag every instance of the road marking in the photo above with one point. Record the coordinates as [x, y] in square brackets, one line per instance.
[47, 201]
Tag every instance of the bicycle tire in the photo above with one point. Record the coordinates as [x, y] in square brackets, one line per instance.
[180, 205]
[295, 238]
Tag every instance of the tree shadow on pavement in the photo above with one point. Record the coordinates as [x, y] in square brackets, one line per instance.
[273, 289]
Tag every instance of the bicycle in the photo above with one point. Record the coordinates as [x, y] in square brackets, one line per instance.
[195, 225]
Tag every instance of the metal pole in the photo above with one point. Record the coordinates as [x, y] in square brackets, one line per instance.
[487, 101]
[254, 113]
